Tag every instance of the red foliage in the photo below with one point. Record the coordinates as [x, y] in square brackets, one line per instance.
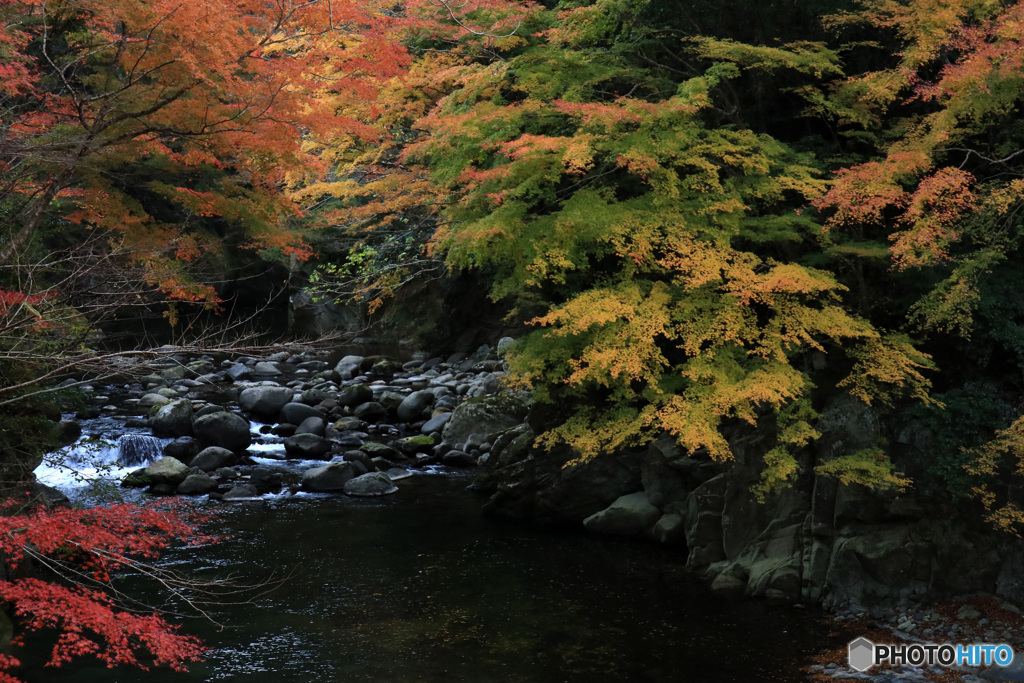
[92, 544]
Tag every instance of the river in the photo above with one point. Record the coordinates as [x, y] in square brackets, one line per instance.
[418, 586]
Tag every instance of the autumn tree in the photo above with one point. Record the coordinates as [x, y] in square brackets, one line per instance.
[654, 245]
[940, 190]
[60, 576]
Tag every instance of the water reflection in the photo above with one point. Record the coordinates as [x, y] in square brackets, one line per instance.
[418, 587]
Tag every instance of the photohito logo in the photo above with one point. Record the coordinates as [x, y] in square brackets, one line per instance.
[864, 654]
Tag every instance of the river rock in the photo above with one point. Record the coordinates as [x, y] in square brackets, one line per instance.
[184, 448]
[238, 372]
[354, 395]
[265, 401]
[223, 429]
[307, 446]
[386, 367]
[436, 423]
[197, 485]
[671, 528]
[348, 367]
[332, 477]
[629, 515]
[136, 479]
[266, 369]
[213, 457]
[172, 419]
[379, 450]
[311, 425]
[483, 416]
[412, 406]
[372, 484]
[295, 413]
[265, 480]
[504, 344]
[167, 471]
[417, 444]
[370, 411]
[150, 400]
[66, 432]
[348, 424]
[241, 492]
[456, 458]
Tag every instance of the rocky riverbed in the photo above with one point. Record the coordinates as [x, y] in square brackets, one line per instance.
[242, 428]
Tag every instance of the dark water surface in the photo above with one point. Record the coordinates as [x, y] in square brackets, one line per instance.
[418, 586]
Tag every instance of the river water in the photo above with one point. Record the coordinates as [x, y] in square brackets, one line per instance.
[419, 587]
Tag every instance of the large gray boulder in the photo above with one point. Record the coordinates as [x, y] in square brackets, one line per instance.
[238, 372]
[629, 515]
[370, 411]
[311, 425]
[295, 413]
[265, 401]
[224, 429]
[197, 485]
[412, 406]
[482, 417]
[173, 419]
[307, 446]
[332, 477]
[166, 471]
[436, 423]
[266, 369]
[372, 484]
[213, 457]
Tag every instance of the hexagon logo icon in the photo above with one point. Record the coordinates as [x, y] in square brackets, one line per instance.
[862, 654]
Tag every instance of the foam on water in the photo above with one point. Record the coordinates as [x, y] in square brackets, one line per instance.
[91, 464]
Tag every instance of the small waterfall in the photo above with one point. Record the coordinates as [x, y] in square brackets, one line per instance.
[137, 449]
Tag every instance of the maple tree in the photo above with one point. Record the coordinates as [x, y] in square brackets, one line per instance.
[941, 191]
[653, 247]
[80, 552]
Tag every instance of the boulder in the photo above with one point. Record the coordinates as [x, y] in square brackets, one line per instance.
[354, 395]
[370, 411]
[295, 413]
[307, 446]
[241, 492]
[379, 450]
[458, 459]
[332, 477]
[166, 471]
[66, 432]
[265, 480]
[412, 406]
[417, 444]
[371, 484]
[347, 424]
[311, 425]
[483, 416]
[173, 419]
[224, 429]
[183, 448]
[213, 457]
[671, 528]
[197, 485]
[629, 515]
[238, 372]
[265, 401]
[436, 423]
[150, 400]
[136, 479]
[266, 369]
[386, 367]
